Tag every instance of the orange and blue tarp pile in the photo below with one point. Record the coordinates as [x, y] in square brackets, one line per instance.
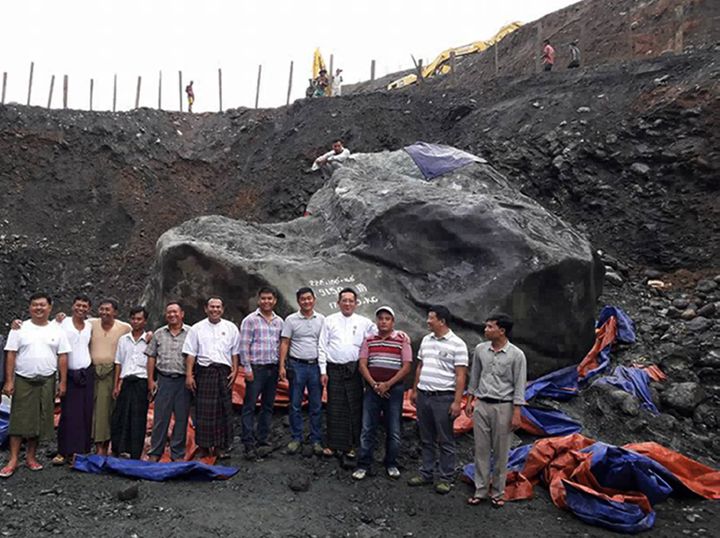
[147, 470]
[613, 325]
[605, 485]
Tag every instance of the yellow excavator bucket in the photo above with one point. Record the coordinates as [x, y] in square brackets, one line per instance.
[439, 66]
[318, 63]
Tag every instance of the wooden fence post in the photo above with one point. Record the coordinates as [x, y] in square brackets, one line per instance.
[257, 88]
[289, 83]
[420, 77]
[453, 63]
[180, 88]
[137, 92]
[220, 87]
[4, 86]
[32, 68]
[372, 70]
[331, 74]
[114, 91]
[52, 85]
[65, 90]
[160, 91]
[92, 84]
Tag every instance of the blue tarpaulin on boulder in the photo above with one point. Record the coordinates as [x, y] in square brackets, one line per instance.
[434, 160]
[148, 470]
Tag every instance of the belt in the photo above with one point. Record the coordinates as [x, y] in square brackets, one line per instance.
[305, 361]
[437, 392]
[493, 400]
[171, 376]
[261, 366]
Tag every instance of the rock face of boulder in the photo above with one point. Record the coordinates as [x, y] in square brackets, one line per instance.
[467, 240]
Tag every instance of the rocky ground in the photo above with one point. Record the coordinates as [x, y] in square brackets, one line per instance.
[627, 152]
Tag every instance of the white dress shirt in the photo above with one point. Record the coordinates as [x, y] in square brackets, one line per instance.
[212, 342]
[341, 338]
[131, 356]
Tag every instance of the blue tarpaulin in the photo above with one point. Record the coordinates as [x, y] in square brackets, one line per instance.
[147, 470]
[636, 381]
[4, 423]
[434, 160]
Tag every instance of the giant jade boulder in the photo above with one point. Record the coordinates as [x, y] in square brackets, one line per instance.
[466, 239]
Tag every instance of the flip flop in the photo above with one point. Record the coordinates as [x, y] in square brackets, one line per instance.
[7, 471]
[34, 466]
[328, 452]
[474, 501]
[497, 502]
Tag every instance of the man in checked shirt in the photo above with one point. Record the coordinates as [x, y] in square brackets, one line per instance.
[259, 355]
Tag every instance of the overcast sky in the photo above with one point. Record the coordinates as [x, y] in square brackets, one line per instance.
[99, 38]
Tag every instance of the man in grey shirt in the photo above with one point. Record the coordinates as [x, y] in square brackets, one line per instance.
[497, 389]
[299, 351]
[165, 359]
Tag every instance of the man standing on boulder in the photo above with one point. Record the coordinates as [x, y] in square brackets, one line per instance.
[299, 363]
[75, 428]
[34, 354]
[385, 361]
[439, 384]
[340, 340]
[497, 389]
[211, 349]
[259, 355]
[169, 393]
[106, 332]
[129, 419]
[548, 55]
[332, 160]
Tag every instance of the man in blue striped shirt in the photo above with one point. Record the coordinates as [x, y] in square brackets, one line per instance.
[259, 355]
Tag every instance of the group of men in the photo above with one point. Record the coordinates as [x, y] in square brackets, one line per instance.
[323, 85]
[108, 371]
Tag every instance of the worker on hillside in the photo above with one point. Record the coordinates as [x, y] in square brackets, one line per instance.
[574, 55]
[332, 160]
[321, 82]
[190, 95]
[337, 83]
[548, 56]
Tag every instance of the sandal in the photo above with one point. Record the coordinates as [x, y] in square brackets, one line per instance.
[497, 502]
[34, 466]
[59, 460]
[328, 452]
[7, 471]
[474, 501]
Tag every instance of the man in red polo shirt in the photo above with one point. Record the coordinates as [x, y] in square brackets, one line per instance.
[385, 361]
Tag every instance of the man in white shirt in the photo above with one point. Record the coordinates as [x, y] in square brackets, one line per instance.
[332, 160]
[340, 340]
[74, 432]
[212, 349]
[337, 83]
[35, 352]
[437, 393]
[129, 418]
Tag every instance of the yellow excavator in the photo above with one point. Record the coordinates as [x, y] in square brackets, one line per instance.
[441, 64]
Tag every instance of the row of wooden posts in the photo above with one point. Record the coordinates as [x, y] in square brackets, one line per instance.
[160, 83]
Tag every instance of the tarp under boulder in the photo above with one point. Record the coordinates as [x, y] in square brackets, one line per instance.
[468, 239]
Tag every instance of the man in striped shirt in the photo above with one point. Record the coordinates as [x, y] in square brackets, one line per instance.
[385, 361]
[259, 355]
[439, 385]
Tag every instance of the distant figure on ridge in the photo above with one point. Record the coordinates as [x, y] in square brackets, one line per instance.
[321, 82]
[548, 56]
[574, 55]
[332, 160]
[337, 83]
[190, 95]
